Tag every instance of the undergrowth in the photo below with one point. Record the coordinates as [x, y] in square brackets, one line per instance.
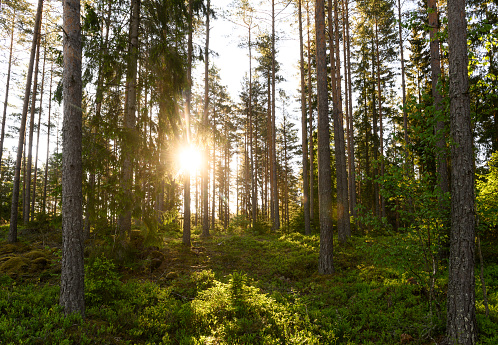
[246, 289]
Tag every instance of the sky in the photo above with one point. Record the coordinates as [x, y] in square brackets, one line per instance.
[227, 55]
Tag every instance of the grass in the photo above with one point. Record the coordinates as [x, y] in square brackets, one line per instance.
[238, 288]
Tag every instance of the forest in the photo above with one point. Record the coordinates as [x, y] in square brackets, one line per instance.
[146, 199]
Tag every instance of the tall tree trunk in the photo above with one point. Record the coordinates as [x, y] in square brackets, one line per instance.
[403, 89]
[72, 271]
[461, 326]
[381, 125]
[325, 264]
[343, 225]
[45, 178]
[130, 122]
[5, 104]
[22, 131]
[352, 172]
[310, 111]
[186, 202]
[276, 219]
[38, 140]
[29, 164]
[205, 175]
[304, 129]
[438, 102]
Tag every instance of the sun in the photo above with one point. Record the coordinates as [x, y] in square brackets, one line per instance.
[189, 159]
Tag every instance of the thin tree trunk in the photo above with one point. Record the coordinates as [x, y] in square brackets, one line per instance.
[45, 179]
[130, 123]
[438, 103]
[304, 129]
[461, 326]
[38, 139]
[276, 219]
[310, 111]
[29, 164]
[22, 131]
[325, 265]
[205, 175]
[403, 89]
[343, 225]
[381, 125]
[352, 173]
[72, 270]
[7, 86]
[186, 205]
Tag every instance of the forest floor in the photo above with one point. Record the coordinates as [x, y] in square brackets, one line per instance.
[236, 288]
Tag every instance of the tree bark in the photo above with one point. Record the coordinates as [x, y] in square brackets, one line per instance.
[276, 218]
[310, 111]
[186, 196]
[325, 265]
[304, 129]
[72, 270]
[403, 89]
[438, 102]
[130, 123]
[29, 164]
[205, 175]
[343, 225]
[45, 178]
[461, 324]
[38, 139]
[22, 131]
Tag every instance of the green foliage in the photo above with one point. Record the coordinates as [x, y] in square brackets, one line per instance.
[258, 290]
[487, 195]
[102, 284]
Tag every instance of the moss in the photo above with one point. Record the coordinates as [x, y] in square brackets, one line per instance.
[15, 265]
[36, 254]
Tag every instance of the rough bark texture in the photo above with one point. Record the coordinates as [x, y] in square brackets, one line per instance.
[72, 271]
[461, 319]
[325, 264]
[22, 131]
[304, 130]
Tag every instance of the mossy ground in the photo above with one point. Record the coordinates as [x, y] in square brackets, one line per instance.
[237, 288]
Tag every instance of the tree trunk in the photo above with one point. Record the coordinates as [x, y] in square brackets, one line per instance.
[72, 271]
[276, 219]
[38, 140]
[461, 324]
[205, 175]
[325, 265]
[304, 130]
[438, 100]
[4, 117]
[310, 111]
[130, 123]
[29, 164]
[381, 125]
[45, 178]
[186, 201]
[343, 225]
[22, 131]
[403, 89]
